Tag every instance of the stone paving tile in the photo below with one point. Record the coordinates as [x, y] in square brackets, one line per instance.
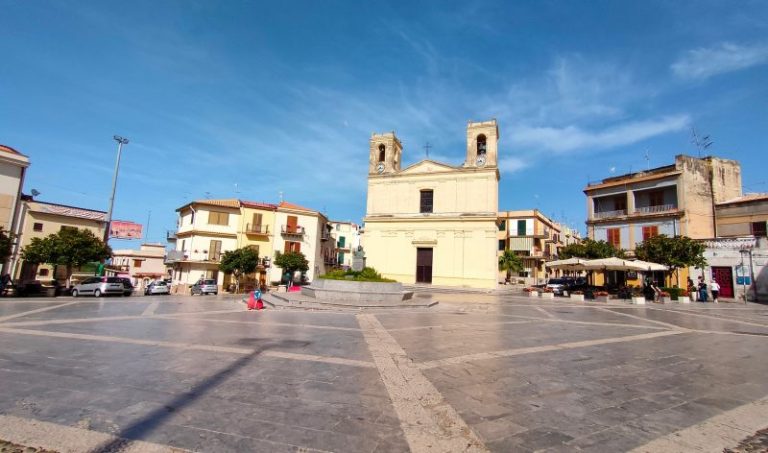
[175, 304]
[97, 308]
[10, 307]
[288, 317]
[595, 314]
[345, 344]
[690, 322]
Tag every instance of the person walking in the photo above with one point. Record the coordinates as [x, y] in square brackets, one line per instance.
[702, 290]
[691, 289]
[715, 290]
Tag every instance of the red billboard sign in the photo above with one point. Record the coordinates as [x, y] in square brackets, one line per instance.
[122, 229]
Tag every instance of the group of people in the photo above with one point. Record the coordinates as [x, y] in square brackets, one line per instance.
[700, 290]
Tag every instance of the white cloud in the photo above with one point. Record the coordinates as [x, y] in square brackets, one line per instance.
[573, 138]
[512, 164]
[706, 62]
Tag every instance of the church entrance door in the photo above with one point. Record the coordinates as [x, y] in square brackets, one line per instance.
[423, 265]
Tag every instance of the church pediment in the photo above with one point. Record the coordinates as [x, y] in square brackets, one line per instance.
[427, 166]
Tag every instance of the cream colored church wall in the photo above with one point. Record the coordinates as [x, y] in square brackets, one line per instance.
[454, 192]
[464, 252]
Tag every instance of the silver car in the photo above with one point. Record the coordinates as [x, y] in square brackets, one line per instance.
[157, 287]
[205, 287]
[99, 286]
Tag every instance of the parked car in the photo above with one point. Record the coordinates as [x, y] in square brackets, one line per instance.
[205, 287]
[99, 286]
[560, 285]
[127, 286]
[157, 287]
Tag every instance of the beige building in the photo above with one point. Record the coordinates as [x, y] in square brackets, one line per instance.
[13, 168]
[142, 266]
[432, 222]
[743, 216]
[534, 237]
[346, 237]
[304, 230]
[39, 219]
[677, 199]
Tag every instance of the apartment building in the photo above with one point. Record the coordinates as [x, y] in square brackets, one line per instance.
[534, 237]
[13, 168]
[39, 219]
[142, 266]
[300, 229]
[677, 199]
[346, 236]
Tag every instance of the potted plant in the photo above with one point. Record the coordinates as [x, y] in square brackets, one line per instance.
[684, 297]
[547, 293]
[577, 296]
[664, 297]
[532, 292]
[601, 296]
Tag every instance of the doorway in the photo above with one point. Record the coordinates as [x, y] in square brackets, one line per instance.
[423, 265]
[724, 277]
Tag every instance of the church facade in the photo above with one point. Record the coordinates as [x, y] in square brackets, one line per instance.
[434, 223]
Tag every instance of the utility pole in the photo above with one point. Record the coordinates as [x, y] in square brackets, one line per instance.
[120, 142]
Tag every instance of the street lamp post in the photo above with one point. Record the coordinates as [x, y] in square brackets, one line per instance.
[120, 142]
[743, 272]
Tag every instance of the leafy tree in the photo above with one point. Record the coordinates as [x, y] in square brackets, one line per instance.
[239, 262]
[291, 262]
[6, 242]
[511, 262]
[69, 247]
[590, 249]
[673, 252]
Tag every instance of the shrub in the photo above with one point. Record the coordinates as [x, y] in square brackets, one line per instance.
[664, 294]
[577, 292]
[673, 292]
[547, 290]
[368, 274]
[601, 293]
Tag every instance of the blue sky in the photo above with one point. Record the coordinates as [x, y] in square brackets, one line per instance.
[246, 99]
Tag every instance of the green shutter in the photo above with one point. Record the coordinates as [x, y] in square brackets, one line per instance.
[502, 225]
[341, 257]
[521, 227]
[342, 239]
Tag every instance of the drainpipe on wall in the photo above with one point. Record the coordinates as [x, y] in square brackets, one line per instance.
[712, 194]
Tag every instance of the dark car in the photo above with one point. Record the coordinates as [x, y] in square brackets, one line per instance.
[128, 286]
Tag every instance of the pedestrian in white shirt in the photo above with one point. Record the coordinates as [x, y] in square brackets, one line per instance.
[715, 290]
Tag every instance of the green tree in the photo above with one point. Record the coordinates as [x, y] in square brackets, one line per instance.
[291, 262]
[6, 243]
[239, 262]
[673, 252]
[69, 247]
[590, 249]
[511, 262]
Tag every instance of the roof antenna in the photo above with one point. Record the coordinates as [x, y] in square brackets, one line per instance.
[281, 196]
[647, 161]
[701, 143]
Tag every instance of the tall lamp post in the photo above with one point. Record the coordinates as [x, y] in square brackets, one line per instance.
[120, 142]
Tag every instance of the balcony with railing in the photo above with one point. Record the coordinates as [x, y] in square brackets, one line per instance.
[257, 229]
[608, 214]
[325, 236]
[174, 255]
[292, 230]
[657, 209]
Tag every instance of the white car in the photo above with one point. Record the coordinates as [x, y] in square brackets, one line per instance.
[158, 287]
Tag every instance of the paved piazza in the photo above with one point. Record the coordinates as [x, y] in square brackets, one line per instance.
[474, 373]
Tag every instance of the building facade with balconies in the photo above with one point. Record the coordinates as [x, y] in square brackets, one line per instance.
[300, 229]
[346, 237]
[532, 236]
[675, 200]
[206, 229]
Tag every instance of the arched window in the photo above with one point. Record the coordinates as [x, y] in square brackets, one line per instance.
[481, 144]
[382, 152]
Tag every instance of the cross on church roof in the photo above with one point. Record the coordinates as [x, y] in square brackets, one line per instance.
[426, 148]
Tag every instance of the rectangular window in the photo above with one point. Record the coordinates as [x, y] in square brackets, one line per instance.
[426, 202]
[502, 245]
[214, 251]
[502, 225]
[656, 198]
[340, 243]
[521, 227]
[759, 229]
[136, 263]
[37, 227]
[614, 237]
[183, 244]
[650, 231]
[341, 258]
[292, 224]
[292, 247]
[43, 272]
[218, 218]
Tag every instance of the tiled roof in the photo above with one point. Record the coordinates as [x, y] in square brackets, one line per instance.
[286, 205]
[225, 203]
[69, 211]
[746, 198]
[8, 149]
[258, 205]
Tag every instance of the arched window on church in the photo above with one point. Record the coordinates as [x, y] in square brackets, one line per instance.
[382, 152]
[481, 144]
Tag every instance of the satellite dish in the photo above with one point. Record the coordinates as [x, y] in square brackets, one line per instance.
[35, 192]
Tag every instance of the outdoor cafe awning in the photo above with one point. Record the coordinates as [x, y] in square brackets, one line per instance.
[568, 264]
[605, 264]
[650, 267]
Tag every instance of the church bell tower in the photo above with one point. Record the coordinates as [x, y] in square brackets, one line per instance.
[482, 144]
[385, 154]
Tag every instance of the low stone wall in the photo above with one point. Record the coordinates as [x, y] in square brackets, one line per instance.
[357, 292]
